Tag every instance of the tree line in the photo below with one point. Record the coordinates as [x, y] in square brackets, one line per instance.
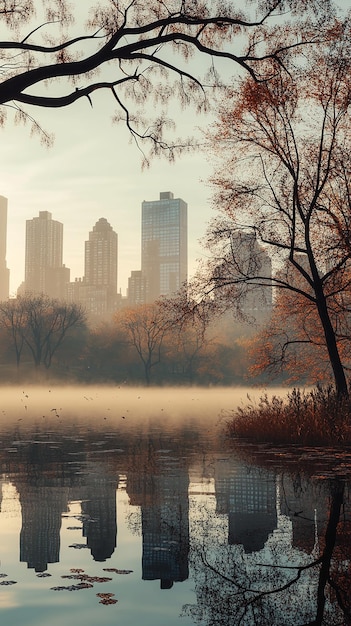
[44, 338]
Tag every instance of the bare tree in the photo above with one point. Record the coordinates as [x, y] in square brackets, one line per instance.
[12, 319]
[41, 324]
[146, 326]
[285, 185]
[143, 53]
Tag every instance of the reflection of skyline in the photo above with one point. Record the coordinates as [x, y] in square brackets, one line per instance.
[306, 508]
[48, 477]
[165, 526]
[42, 508]
[247, 496]
[99, 507]
[159, 485]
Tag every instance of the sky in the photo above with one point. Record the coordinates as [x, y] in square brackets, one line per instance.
[93, 171]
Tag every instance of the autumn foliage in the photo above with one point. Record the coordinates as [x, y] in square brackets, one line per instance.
[282, 155]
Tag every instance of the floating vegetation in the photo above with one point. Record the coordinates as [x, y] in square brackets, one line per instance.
[118, 571]
[76, 570]
[78, 546]
[43, 574]
[8, 582]
[78, 587]
[107, 598]
[91, 579]
[87, 582]
[3, 575]
[108, 601]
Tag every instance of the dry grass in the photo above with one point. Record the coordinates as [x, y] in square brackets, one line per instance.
[314, 418]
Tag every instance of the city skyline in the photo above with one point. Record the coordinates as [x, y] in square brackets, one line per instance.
[163, 254]
[83, 177]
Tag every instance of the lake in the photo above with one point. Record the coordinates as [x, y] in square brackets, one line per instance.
[127, 506]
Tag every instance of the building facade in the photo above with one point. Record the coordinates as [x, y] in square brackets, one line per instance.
[97, 291]
[253, 265]
[101, 256]
[4, 271]
[44, 270]
[164, 245]
[136, 288]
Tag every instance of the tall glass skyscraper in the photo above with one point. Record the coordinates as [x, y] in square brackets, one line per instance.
[164, 245]
[4, 272]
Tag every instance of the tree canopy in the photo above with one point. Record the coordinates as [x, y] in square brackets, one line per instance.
[143, 54]
[285, 186]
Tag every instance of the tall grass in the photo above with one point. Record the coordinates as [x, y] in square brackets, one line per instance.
[316, 418]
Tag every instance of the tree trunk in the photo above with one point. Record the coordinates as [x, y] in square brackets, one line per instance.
[331, 344]
[330, 539]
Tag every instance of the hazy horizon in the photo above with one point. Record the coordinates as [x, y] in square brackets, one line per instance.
[111, 402]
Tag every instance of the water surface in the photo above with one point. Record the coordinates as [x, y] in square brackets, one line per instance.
[121, 506]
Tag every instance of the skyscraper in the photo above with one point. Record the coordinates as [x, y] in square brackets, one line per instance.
[44, 271]
[136, 288]
[164, 245]
[101, 256]
[97, 291]
[253, 265]
[4, 272]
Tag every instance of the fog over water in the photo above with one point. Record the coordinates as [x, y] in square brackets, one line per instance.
[30, 402]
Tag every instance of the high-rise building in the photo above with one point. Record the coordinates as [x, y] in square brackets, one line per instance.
[97, 291]
[164, 245]
[4, 271]
[251, 264]
[44, 270]
[136, 288]
[101, 256]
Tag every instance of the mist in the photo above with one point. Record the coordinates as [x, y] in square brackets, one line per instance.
[115, 403]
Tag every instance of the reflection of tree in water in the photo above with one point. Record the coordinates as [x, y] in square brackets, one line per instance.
[280, 584]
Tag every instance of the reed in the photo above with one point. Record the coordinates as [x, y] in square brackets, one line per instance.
[317, 417]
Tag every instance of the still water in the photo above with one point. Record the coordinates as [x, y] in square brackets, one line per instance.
[130, 506]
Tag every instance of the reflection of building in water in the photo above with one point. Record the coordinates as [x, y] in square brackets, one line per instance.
[99, 507]
[248, 496]
[42, 506]
[45, 486]
[305, 505]
[162, 493]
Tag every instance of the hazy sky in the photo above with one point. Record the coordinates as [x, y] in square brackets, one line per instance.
[93, 171]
